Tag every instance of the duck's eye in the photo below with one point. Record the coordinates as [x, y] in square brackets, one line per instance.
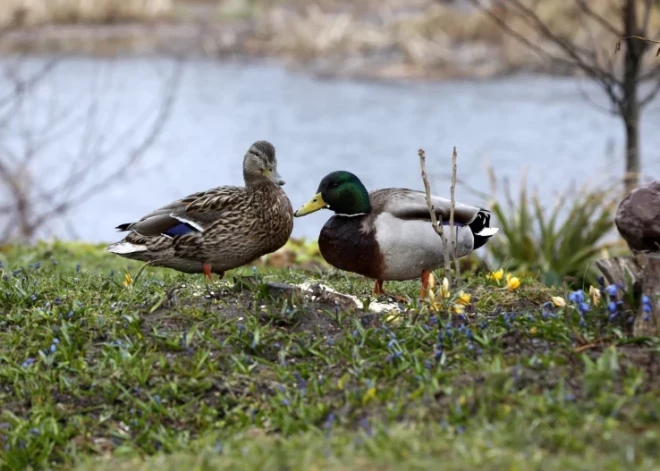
[334, 185]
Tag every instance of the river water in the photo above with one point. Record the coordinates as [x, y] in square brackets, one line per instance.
[542, 125]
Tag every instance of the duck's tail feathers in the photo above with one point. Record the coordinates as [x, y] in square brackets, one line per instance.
[487, 232]
[124, 227]
[123, 248]
[481, 229]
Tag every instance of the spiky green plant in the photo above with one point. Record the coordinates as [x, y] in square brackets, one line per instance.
[558, 245]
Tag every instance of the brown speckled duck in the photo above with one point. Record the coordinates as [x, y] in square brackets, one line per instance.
[216, 230]
[387, 234]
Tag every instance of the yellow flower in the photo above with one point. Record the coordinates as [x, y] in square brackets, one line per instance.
[533, 330]
[457, 308]
[496, 275]
[512, 282]
[128, 280]
[444, 289]
[558, 301]
[595, 295]
[431, 282]
[463, 298]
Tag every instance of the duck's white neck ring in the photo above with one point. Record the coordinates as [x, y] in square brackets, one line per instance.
[350, 215]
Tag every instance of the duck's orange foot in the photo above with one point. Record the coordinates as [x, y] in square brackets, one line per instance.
[378, 291]
[207, 271]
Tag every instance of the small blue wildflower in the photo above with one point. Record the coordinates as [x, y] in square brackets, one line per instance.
[330, 341]
[391, 344]
[37, 265]
[427, 364]
[56, 341]
[301, 383]
[355, 333]
[78, 268]
[630, 319]
[33, 297]
[434, 320]
[612, 306]
[583, 308]
[53, 347]
[646, 299]
[613, 316]
[612, 290]
[286, 402]
[17, 272]
[218, 447]
[254, 269]
[329, 421]
[157, 399]
[35, 431]
[570, 397]
[28, 362]
[69, 315]
[576, 297]
[364, 423]
[5, 277]
[646, 318]
[601, 282]
[57, 301]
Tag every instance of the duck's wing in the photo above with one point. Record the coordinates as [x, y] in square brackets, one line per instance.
[194, 213]
[411, 204]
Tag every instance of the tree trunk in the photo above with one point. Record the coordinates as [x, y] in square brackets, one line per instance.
[630, 108]
[647, 324]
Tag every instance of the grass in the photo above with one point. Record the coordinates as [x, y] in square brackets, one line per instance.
[158, 371]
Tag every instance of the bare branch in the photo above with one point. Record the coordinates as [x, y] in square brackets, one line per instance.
[437, 225]
[454, 168]
[650, 96]
[599, 18]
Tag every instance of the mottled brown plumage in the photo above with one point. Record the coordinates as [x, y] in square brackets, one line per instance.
[218, 229]
[638, 219]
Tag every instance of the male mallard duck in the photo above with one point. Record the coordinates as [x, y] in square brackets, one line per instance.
[387, 234]
[218, 229]
[638, 219]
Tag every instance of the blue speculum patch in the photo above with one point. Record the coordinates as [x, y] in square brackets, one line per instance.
[179, 229]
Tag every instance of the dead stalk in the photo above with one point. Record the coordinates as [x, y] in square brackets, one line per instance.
[454, 168]
[437, 225]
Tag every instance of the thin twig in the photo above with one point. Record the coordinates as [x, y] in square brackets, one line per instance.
[437, 225]
[617, 48]
[454, 168]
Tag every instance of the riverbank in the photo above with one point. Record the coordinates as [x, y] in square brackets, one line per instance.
[414, 39]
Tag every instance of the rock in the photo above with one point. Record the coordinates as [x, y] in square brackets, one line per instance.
[638, 218]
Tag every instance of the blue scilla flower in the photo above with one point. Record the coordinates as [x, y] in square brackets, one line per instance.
[612, 290]
[576, 297]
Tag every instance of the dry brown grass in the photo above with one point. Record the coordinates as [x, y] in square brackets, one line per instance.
[16, 13]
[427, 33]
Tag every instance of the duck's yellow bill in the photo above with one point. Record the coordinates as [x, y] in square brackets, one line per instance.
[311, 206]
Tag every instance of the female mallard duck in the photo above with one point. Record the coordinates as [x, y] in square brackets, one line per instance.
[387, 234]
[219, 229]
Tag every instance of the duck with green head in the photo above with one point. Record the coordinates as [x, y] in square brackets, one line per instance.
[387, 234]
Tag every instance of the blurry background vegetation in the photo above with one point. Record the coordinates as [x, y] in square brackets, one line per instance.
[416, 39]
